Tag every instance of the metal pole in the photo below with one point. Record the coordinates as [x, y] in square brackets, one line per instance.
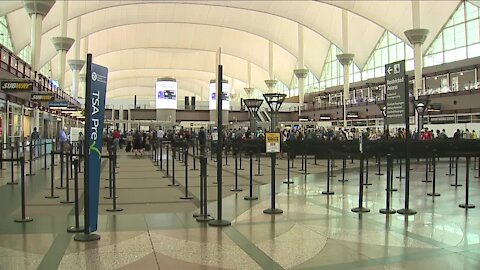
[12, 171]
[388, 209]
[329, 169]
[250, 197]
[360, 208]
[185, 157]
[236, 174]
[467, 205]
[434, 165]
[173, 184]
[77, 227]
[52, 178]
[114, 180]
[24, 218]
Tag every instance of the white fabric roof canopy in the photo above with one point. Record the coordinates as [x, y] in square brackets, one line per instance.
[184, 35]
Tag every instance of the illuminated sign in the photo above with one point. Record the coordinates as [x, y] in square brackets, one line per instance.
[213, 96]
[16, 86]
[166, 94]
[42, 97]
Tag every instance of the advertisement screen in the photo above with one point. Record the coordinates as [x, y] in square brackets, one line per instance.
[166, 95]
[225, 99]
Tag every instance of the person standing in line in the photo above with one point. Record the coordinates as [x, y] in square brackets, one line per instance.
[474, 135]
[34, 140]
[62, 138]
[202, 140]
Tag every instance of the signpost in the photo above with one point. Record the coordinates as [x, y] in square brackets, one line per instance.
[16, 85]
[42, 97]
[396, 94]
[398, 112]
[58, 104]
[95, 111]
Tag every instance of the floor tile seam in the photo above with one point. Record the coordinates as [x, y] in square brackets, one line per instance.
[151, 243]
[255, 253]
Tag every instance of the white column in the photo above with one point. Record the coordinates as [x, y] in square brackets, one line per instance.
[37, 11]
[345, 59]
[76, 64]
[271, 82]
[417, 37]
[249, 89]
[301, 81]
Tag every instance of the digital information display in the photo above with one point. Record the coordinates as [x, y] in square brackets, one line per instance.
[213, 96]
[166, 94]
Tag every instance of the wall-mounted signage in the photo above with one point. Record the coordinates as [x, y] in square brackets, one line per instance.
[42, 97]
[11, 85]
[166, 94]
[58, 104]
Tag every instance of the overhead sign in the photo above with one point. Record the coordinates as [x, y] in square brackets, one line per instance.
[166, 94]
[58, 104]
[94, 137]
[272, 140]
[396, 93]
[213, 96]
[42, 97]
[11, 85]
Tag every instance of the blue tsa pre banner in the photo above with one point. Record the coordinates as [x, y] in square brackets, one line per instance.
[98, 82]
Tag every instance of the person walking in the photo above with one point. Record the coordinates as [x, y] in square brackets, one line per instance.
[34, 140]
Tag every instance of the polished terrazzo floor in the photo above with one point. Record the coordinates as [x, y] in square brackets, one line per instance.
[156, 229]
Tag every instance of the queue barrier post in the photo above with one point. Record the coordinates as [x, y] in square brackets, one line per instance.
[388, 210]
[434, 176]
[52, 178]
[114, 208]
[76, 228]
[329, 169]
[360, 208]
[187, 196]
[24, 218]
[12, 170]
[466, 204]
[250, 196]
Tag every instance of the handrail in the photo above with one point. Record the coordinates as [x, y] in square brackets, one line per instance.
[16, 66]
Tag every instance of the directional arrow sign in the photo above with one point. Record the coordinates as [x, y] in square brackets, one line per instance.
[396, 93]
[389, 69]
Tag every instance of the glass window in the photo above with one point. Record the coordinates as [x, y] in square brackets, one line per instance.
[472, 32]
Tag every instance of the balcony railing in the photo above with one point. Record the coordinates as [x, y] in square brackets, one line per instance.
[19, 68]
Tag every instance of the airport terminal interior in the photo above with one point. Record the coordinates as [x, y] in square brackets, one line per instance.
[240, 134]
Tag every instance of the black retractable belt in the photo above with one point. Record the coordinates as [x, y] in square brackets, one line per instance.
[24, 217]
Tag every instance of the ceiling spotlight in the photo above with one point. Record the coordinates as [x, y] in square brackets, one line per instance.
[436, 78]
[461, 73]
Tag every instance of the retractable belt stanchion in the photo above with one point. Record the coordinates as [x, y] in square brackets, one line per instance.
[344, 166]
[272, 210]
[67, 190]
[110, 175]
[426, 180]
[45, 167]
[379, 162]
[450, 162]
[250, 197]
[360, 208]
[52, 178]
[194, 156]
[12, 170]
[388, 209]
[236, 174]
[288, 181]
[161, 156]
[434, 176]
[173, 184]
[114, 187]
[204, 216]
[167, 169]
[258, 166]
[305, 172]
[76, 228]
[400, 169]
[329, 169]
[24, 217]
[366, 183]
[70, 164]
[226, 156]
[240, 162]
[332, 164]
[478, 175]
[185, 160]
[61, 167]
[456, 174]
[302, 168]
[1, 157]
[30, 157]
[467, 205]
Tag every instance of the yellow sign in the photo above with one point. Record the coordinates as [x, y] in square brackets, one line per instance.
[272, 140]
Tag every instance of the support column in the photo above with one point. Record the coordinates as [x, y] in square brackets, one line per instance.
[62, 44]
[345, 59]
[37, 11]
[271, 82]
[417, 37]
[75, 65]
[301, 72]
[249, 90]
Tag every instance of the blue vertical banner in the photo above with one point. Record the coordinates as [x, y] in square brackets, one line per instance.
[98, 85]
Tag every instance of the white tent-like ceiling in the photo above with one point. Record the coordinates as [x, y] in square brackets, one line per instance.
[140, 41]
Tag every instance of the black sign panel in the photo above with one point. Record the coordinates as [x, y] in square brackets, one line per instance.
[396, 92]
[23, 86]
[42, 97]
